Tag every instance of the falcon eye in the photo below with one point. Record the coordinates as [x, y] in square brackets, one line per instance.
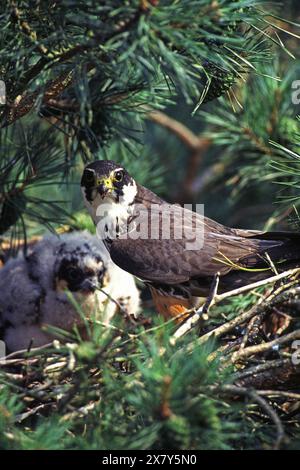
[118, 176]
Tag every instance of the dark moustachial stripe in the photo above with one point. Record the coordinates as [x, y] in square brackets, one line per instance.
[88, 183]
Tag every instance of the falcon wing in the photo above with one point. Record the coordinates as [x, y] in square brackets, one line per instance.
[204, 248]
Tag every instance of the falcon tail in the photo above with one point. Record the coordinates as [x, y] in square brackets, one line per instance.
[281, 248]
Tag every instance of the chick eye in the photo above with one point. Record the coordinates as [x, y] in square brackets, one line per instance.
[118, 175]
[100, 273]
[74, 274]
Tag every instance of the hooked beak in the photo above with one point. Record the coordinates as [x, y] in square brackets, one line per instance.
[104, 186]
[88, 286]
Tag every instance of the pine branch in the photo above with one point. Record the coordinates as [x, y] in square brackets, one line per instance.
[194, 319]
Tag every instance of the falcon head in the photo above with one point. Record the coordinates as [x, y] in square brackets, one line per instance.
[105, 180]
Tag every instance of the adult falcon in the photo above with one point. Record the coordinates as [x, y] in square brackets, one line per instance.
[177, 256]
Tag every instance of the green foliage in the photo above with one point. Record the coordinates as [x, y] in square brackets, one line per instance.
[92, 70]
[287, 166]
[81, 78]
[121, 392]
[30, 158]
[9, 407]
[256, 142]
[246, 135]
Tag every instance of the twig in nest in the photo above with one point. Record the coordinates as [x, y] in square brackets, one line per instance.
[211, 296]
[4, 360]
[269, 280]
[201, 312]
[253, 395]
[279, 373]
[241, 318]
[260, 348]
[248, 331]
[278, 393]
[21, 417]
[258, 369]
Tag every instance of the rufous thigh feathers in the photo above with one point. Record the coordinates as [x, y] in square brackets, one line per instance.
[170, 307]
